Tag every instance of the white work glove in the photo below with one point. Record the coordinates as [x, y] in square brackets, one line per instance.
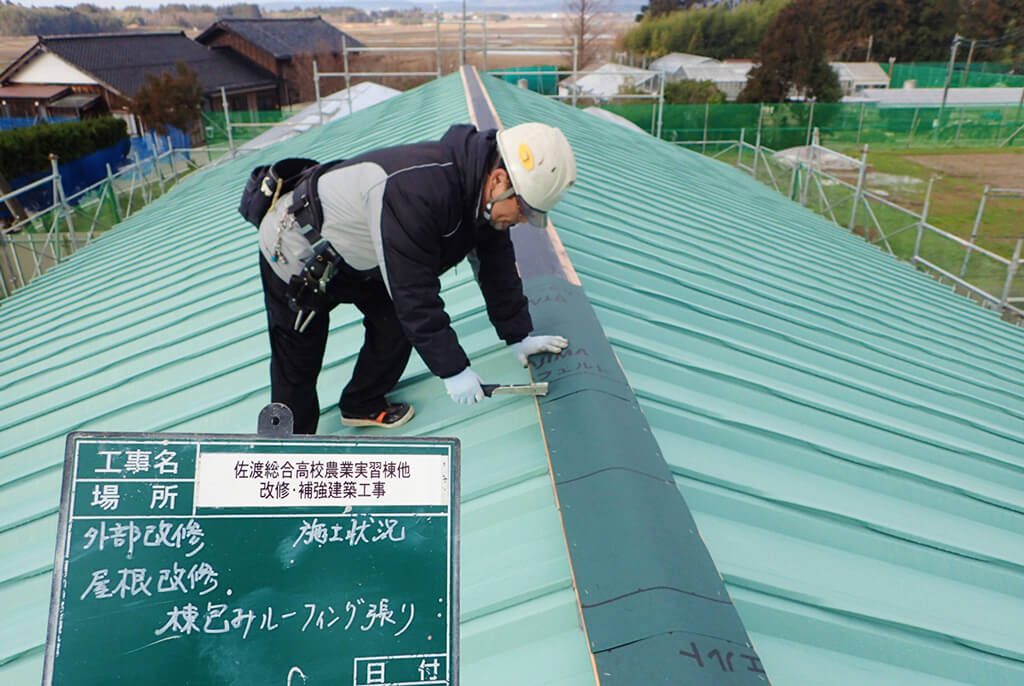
[464, 387]
[532, 345]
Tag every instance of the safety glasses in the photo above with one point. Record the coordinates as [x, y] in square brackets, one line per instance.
[532, 214]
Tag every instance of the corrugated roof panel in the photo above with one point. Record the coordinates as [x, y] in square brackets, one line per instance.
[865, 72]
[675, 60]
[933, 97]
[715, 72]
[846, 431]
[331, 108]
[159, 326]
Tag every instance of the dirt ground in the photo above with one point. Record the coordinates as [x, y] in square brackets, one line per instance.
[1000, 170]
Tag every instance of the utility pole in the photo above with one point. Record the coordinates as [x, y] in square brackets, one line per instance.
[967, 70]
[871, 41]
[462, 36]
[949, 74]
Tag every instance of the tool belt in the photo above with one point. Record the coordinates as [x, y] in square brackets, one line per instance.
[307, 290]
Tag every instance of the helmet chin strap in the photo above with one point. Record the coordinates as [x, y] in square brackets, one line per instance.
[504, 196]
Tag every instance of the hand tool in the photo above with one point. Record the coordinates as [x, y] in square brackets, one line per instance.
[491, 389]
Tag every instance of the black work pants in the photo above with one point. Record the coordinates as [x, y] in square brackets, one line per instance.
[296, 358]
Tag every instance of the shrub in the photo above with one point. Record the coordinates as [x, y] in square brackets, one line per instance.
[27, 150]
[690, 92]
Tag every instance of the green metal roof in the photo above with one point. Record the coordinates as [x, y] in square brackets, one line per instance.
[159, 326]
[846, 431]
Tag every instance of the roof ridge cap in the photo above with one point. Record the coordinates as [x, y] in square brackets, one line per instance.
[317, 18]
[120, 34]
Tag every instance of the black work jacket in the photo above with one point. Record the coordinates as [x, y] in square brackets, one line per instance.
[429, 221]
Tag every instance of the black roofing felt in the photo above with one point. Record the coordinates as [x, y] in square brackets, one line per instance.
[285, 37]
[121, 60]
[660, 595]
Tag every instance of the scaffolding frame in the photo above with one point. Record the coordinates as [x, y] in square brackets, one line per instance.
[807, 187]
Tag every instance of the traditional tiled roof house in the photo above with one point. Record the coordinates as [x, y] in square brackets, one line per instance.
[103, 71]
[285, 47]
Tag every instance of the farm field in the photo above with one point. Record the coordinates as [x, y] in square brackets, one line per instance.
[541, 31]
[518, 31]
[998, 168]
[543, 35]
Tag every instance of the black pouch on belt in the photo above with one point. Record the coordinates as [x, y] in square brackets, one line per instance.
[307, 290]
[270, 181]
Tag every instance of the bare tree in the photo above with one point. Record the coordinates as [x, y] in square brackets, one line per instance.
[584, 21]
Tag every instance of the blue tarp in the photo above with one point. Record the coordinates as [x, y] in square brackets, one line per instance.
[7, 123]
[85, 171]
[151, 144]
[75, 175]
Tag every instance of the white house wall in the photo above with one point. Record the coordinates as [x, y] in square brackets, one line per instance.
[49, 68]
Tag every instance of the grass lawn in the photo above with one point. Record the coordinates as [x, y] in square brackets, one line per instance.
[901, 177]
[957, 191]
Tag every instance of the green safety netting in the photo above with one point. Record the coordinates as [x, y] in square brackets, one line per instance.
[791, 124]
[977, 67]
[541, 79]
[933, 75]
[217, 131]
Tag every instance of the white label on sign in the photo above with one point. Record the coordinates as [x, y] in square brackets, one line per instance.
[312, 480]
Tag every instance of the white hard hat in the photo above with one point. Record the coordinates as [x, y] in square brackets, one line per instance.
[540, 164]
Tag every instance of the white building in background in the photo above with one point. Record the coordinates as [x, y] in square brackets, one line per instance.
[674, 63]
[606, 81]
[932, 97]
[857, 76]
[729, 77]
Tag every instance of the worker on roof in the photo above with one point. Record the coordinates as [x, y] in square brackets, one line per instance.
[391, 221]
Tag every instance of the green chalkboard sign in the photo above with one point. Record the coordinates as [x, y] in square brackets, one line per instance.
[207, 560]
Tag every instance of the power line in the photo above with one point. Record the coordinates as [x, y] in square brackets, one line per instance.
[975, 42]
[992, 42]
